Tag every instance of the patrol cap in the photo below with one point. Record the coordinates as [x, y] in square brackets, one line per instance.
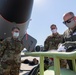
[15, 28]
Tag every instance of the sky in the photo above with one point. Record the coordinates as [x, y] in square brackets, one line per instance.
[47, 12]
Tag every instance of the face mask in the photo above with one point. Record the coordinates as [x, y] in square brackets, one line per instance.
[54, 30]
[71, 24]
[16, 35]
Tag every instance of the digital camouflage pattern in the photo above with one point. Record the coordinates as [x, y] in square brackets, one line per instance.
[52, 42]
[10, 56]
[70, 39]
[70, 35]
[70, 43]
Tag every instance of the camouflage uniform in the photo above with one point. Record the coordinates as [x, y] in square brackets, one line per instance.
[10, 56]
[70, 42]
[51, 43]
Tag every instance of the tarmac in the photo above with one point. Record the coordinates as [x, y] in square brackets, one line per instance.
[25, 68]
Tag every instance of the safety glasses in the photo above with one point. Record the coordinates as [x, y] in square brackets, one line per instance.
[69, 20]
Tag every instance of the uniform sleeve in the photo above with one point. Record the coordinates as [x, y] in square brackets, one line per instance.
[63, 40]
[22, 47]
[46, 44]
[3, 47]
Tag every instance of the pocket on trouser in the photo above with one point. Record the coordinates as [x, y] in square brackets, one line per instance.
[5, 69]
[1, 70]
[15, 69]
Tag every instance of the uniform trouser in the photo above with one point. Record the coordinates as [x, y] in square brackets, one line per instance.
[70, 61]
[12, 69]
[70, 64]
[63, 63]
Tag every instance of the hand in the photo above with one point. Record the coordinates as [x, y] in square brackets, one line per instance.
[61, 48]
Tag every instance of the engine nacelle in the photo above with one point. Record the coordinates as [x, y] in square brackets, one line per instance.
[14, 13]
